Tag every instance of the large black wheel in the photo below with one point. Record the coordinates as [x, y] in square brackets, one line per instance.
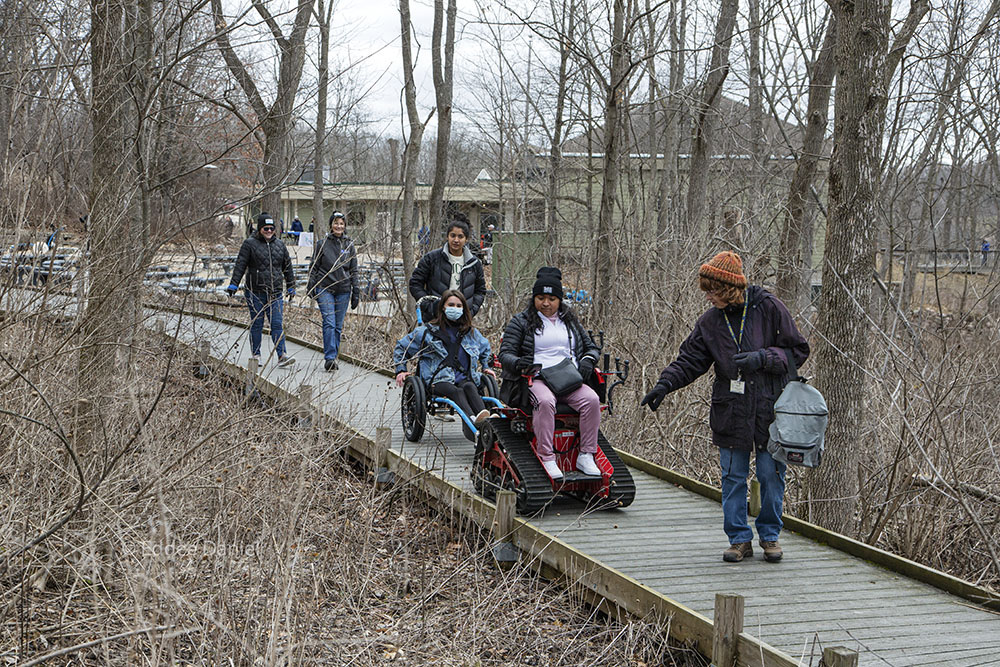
[413, 408]
[489, 387]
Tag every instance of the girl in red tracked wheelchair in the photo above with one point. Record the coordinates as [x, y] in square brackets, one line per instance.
[546, 342]
[450, 354]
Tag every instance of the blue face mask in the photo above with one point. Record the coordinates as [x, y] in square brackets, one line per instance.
[454, 313]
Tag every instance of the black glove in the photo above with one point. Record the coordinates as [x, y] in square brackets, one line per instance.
[655, 396]
[525, 363]
[586, 368]
[750, 361]
[355, 300]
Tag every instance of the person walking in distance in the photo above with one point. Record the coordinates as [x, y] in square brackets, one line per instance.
[749, 336]
[334, 283]
[268, 267]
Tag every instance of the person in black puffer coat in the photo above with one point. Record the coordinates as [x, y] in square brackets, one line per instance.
[542, 335]
[268, 268]
[749, 336]
[451, 267]
[333, 282]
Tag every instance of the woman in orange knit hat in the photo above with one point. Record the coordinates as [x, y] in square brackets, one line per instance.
[749, 336]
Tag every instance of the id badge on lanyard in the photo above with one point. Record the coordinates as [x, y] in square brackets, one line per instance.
[737, 386]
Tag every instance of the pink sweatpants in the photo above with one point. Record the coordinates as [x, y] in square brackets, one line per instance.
[584, 400]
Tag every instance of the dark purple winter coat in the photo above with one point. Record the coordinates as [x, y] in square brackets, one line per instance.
[737, 420]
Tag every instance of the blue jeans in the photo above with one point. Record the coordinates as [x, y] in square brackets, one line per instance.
[333, 307]
[273, 309]
[735, 465]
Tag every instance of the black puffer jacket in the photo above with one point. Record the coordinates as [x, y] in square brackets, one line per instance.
[519, 341]
[266, 264]
[433, 276]
[740, 421]
[334, 267]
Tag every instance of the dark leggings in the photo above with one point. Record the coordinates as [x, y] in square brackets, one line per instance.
[466, 396]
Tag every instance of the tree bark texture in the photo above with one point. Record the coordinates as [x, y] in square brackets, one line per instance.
[842, 349]
[323, 14]
[112, 297]
[790, 278]
[412, 150]
[568, 29]
[616, 92]
[277, 120]
[704, 128]
[442, 64]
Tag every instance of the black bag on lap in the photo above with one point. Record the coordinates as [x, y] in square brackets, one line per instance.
[563, 378]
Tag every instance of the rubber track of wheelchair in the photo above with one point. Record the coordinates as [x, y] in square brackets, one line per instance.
[663, 553]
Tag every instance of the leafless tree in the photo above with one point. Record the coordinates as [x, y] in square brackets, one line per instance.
[704, 122]
[412, 150]
[277, 119]
[442, 65]
[842, 354]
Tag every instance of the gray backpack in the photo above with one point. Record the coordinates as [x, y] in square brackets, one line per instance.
[800, 417]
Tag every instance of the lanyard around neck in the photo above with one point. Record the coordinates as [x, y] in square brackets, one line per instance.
[743, 321]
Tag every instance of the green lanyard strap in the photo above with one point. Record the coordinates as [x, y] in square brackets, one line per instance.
[743, 321]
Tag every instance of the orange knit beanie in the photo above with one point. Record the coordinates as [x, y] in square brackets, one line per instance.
[726, 267]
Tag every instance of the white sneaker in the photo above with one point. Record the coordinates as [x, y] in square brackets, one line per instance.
[481, 417]
[585, 463]
[552, 468]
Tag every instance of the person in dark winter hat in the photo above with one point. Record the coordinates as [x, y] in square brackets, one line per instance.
[544, 334]
[334, 283]
[268, 267]
[548, 280]
[749, 336]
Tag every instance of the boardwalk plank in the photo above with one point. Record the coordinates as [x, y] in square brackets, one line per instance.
[675, 540]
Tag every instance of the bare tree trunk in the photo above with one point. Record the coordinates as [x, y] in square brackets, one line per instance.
[568, 28]
[842, 354]
[617, 89]
[705, 120]
[113, 292]
[667, 214]
[760, 162]
[412, 150]
[276, 121]
[443, 86]
[324, 14]
[790, 279]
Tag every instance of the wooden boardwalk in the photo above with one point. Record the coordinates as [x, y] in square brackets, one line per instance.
[666, 546]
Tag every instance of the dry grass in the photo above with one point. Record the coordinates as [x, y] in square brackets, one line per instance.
[233, 535]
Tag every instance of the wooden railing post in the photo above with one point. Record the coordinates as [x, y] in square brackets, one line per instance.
[726, 628]
[504, 552]
[253, 366]
[839, 656]
[383, 440]
[305, 404]
[201, 367]
[754, 509]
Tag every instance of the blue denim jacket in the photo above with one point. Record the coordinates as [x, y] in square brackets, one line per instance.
[431, 353]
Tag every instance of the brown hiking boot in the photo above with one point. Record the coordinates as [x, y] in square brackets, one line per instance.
[772, 551]
[737, 552]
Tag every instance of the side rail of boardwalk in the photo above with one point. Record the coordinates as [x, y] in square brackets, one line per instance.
[913, 570]
[601, 585]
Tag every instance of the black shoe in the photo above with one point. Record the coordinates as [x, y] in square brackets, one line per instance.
[329, 365]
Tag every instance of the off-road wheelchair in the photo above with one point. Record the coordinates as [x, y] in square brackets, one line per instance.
[506, 457]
